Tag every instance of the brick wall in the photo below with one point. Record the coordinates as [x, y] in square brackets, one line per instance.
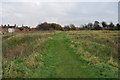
[5, 30]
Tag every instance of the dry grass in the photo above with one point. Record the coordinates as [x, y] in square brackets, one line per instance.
[97, 46]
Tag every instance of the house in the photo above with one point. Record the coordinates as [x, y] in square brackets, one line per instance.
[4, 30]
[0, 30]
[13, 29]
[26, 29]
[7, 29]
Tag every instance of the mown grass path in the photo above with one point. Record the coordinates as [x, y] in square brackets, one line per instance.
[61, 62]
[55, 55]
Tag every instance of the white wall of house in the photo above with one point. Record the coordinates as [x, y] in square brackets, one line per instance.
[11, 30]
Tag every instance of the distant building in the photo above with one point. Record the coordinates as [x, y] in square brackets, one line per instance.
[13, 29]
[0, 30]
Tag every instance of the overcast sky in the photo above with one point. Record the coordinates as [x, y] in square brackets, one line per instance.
[78, 13]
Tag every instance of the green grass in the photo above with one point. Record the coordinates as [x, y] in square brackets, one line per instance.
[20, 52]
[72, 54]
[60, 62]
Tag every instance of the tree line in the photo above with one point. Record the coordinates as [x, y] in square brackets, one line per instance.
[101, 26]
[90, 26]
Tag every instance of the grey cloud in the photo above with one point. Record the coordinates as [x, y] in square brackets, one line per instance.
[63, 13]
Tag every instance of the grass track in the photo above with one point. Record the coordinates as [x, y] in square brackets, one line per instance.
[56, 58]
[61, 62]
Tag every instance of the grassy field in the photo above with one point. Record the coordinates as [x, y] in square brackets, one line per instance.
[69, 54]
